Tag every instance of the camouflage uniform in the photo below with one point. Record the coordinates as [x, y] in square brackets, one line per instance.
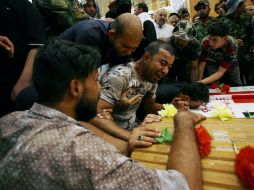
[223, 57]
[237, 29]
[201, 28]
[58, 15]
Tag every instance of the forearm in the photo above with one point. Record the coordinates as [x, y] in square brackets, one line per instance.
[121, 145]
[26, 74]
[184, 155]
[111, 128]
[212, 78]
[194, 71]
[201, 69]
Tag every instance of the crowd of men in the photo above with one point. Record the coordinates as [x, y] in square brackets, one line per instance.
[84, 87]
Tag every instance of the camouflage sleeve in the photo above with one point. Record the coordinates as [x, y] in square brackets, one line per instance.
[61, 11]
[152, 92]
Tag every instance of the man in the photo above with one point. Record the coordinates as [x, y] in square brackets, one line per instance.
[219, 56]
[195, 93]
[183, 39]
[47, 148]
[59, 15]
[116, 41]
[185, 66]
[140, 79]
[173, 19]
[203, 20]
[163, 29]
[184, 14]
[237, 19]
[91, 8]
[22, 25]
[118, 7]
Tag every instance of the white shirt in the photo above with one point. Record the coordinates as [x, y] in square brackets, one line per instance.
[164, 32]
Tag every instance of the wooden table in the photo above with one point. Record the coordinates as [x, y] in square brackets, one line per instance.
[218, 167]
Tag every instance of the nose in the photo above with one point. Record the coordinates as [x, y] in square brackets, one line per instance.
[129, 51]
[165, 70]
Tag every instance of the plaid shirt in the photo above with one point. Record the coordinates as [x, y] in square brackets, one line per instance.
[46, 149]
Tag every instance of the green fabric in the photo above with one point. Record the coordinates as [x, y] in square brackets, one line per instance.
[165, 136]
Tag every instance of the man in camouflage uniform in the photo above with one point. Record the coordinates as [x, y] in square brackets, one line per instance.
[237, 19]
[59, 15]
[203, 20]
[219, 57]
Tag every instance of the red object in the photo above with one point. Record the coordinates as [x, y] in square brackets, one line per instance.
[225, 89]
[243, 98]
[214, 86]
[204, 141]
[244, 166]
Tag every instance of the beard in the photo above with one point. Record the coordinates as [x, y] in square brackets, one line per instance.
[203, 15]
[86, 110]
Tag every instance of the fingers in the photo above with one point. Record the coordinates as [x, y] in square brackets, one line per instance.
[105, 114]
[136, 99]
[151, 118]
[7, 45]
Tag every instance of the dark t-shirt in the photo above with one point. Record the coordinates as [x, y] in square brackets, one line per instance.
[22, 24]
[94, 33]
[180, 70]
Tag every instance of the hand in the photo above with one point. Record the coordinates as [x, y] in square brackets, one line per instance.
[189, 116]
[7, 45]
[181, 105]
[150, 118]
[125, 102]
[105, 114]
[239, 42]
[142, 137]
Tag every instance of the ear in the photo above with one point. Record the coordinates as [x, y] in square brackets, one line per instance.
[184, 97]
[146, 56]
[112, 34]
[225, 38]
[76, 88]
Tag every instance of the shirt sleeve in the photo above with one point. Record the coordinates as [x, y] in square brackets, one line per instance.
[172, 179]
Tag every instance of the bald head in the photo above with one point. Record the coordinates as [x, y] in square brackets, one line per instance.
[127, 23]
[126, 33]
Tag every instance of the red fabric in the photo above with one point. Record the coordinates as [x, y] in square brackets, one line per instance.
[244, 166]
[225, 64]
[243, 98]
[239, 92]
[204, 141]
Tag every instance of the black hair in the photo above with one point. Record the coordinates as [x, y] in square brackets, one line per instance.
[122, 6]
[118, 26]
[196, 91]
[156, 45]
[218, 28]
[59, 62]
[171, 14]
[143, 6]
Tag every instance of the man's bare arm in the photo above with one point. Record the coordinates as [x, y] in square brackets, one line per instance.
[107, 125]
[184, 155]
[26, 75]
[194, 71]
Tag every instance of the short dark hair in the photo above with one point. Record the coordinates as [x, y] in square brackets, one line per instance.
[171, 14]
[156, 45]
[218, 28]
[118, 26]
[196, 91]
[59, 62]
[143, 6]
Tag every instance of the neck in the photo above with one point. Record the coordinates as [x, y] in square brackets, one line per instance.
[65, 108]
[139, 68]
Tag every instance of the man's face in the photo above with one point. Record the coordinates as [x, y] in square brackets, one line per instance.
[161, 17]
[157, 66]
[217, 42]
[137, 11]
[185, 16]
[90, 8]
[126, 43]
[173, 20]
[86, 108]
[203, 11]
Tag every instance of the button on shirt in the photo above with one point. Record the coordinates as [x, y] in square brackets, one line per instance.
[47, 150]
